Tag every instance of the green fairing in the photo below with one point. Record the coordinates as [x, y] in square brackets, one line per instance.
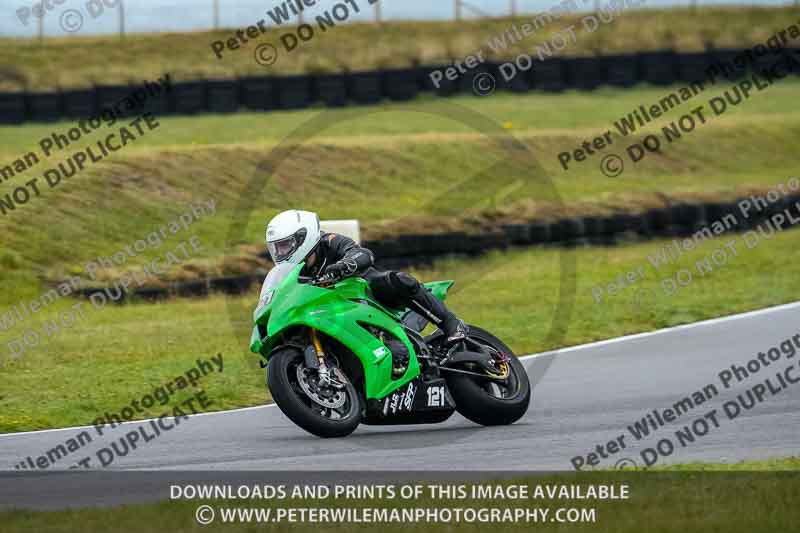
[336, 311]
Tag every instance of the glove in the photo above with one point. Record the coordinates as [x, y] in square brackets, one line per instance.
[338, 271]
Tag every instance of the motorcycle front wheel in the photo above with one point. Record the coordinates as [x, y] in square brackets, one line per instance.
[327, 410]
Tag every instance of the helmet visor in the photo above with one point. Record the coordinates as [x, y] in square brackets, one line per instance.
[283, 249]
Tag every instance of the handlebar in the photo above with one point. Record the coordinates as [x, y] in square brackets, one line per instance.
[317, 282]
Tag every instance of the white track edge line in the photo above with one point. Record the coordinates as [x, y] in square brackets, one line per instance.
[559, 351]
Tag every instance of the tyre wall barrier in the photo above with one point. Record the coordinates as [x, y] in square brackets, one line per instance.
[586, 73]
[293, 92]
[621, 70]
[223, 96]
[13, 109]
[522, 82]
[401, 85]
[43, 107]
[658, 68]
[257, 94]
[680, 219]
[108, 96]
[80, 103]
[365, 87]
[661, 67]
[446, 86]
[188, 98]
[331, 90]
[549, 75]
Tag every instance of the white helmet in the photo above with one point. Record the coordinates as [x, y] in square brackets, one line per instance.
[292, 235]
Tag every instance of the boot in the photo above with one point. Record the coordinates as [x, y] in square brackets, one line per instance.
[434, 309]
[400, 356]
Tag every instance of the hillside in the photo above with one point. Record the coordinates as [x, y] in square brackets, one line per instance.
[80, 61]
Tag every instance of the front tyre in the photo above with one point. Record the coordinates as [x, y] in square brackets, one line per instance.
[323, 410]
[491, 402]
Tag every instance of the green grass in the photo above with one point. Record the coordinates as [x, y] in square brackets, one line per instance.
[392, 168]
[768, 465]
[764, 501]
[117, 354]
[79, 61]
[398, 170]
[571, 113]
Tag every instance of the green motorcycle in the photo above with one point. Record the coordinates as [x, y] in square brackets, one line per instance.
[335, 358]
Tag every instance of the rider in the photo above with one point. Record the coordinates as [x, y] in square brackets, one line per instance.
[295, 236]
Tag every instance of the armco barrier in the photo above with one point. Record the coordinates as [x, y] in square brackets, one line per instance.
[661, 67]
[678, 219]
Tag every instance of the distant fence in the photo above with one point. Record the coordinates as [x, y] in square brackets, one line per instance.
[147, 16]
[674, 220]
[270, 93]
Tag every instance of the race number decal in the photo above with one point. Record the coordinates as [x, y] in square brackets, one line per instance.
[436, 396]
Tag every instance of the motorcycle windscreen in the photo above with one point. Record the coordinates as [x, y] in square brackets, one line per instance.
[274, 278]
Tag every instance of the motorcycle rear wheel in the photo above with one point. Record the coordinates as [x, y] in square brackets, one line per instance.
[486, 401]
[285, 370]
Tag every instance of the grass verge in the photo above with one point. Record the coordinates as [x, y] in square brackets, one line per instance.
[380, 165]
[83, 61]
[117, 354]
[708, 501]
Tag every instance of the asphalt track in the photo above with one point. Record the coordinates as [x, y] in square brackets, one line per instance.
[583, 396]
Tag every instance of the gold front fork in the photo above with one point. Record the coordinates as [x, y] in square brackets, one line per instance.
[324, 373]
[317, 346]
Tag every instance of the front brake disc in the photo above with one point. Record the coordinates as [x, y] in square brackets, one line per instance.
[336, 399]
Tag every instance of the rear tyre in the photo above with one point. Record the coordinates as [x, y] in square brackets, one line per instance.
[489, 402]
[307, 404]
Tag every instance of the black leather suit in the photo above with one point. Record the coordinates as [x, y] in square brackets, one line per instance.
[391, 288]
